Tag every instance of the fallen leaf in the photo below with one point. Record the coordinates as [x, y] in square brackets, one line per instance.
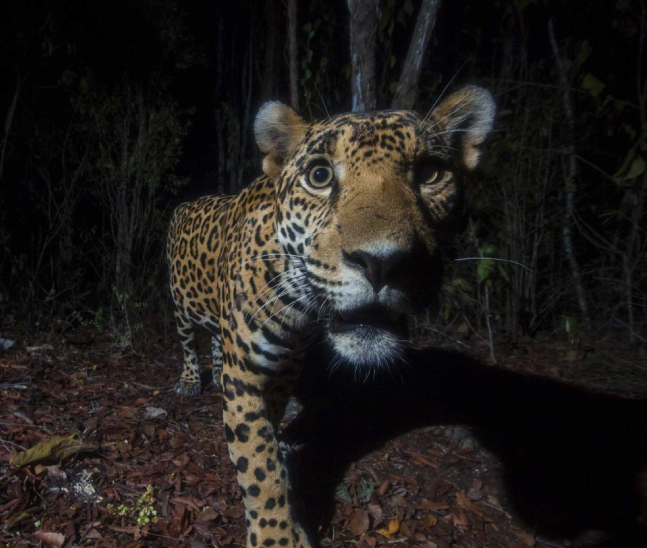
[186, 501]
[235, 512]
[464, 502]
[475, 494]
[208, 515]
[133, 530]
[50, 538]
[431, 505]
[93, 534]
[430, 521]
[383, 488]
[176, 442]
[52, 450]
[420, 459]
[358, 523]
[391, 529]
[459, 517]
[375, 510]
[526, 538]
[155, 413]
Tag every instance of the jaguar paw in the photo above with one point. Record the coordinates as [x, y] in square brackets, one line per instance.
[216, 379]
[188, 389]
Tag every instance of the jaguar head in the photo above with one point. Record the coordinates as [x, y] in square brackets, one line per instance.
[364, 201]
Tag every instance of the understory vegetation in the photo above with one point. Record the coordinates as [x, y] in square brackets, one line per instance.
[98, 147]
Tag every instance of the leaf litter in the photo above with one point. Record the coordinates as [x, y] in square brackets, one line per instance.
[90, 455]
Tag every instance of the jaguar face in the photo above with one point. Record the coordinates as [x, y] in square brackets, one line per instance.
[363, 204]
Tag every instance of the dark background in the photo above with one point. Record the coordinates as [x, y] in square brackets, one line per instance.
[114, 112]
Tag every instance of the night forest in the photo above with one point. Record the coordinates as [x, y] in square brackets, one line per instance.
[522, 419]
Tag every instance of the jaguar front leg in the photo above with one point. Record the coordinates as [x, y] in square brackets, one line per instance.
[216, 360]
[189, 383]
[254, 450]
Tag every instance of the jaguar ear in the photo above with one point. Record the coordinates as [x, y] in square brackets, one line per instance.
[466, 116]
[278, 129]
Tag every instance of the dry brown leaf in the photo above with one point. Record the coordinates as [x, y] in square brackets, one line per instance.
[186, 501]
[93, 534]
[132, 530]
[50, 538]
[526, 538]
[431, 505]
[176, 442]
[235, 512]
[358, 522]
[208, 515]
[391, 529]
[383, 488]
[464, 502]
[51, 450]
[430, 521]
[375, 510]
[460, 518]
[421, 459]
[428, 545]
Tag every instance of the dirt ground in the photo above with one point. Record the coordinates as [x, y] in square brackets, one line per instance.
[120, 460]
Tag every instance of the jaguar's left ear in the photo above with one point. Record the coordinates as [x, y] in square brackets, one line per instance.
[466, 116]
[278, 129]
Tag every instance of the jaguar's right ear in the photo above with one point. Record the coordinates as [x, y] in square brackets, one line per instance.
[278, 129]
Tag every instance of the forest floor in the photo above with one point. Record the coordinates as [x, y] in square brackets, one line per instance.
[123, 461]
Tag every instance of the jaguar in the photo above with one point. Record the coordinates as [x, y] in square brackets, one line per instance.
[337, 242]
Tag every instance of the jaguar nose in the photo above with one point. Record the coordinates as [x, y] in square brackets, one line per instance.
[379, 271]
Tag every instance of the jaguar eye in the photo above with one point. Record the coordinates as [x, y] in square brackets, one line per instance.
[431, 175]
[320, 176]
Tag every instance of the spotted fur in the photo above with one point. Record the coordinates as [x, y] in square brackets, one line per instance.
[295, 257]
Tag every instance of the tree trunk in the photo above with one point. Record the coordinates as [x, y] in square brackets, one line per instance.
[407, 90]
[245, 127]
[268, 84]
[634, 250]
[7, 125]
[571, 178]
[218, 114]
[294, 73]
[364, 16]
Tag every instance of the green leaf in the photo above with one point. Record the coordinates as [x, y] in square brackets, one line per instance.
[52, 450]
[482, 271]
[342, 493]
[583, 53]
[633, 166]
[408, 7]
[462, 284]
[392, 61]
[591, 84]
[637, 168]
[364, 490]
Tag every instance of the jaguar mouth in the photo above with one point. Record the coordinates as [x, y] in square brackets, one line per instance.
[368, 318]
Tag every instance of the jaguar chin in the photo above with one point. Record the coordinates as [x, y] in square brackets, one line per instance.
[368, 337]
